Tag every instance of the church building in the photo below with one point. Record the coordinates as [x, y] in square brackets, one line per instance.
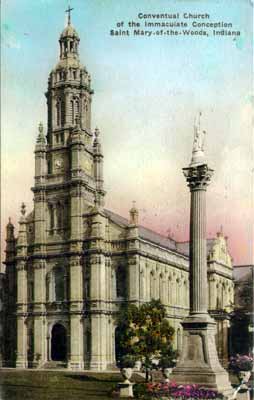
[73, 263]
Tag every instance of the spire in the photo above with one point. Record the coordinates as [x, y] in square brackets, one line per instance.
[10, 230]
[69, 14]
[23, 209]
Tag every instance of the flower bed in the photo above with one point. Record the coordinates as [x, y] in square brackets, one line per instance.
[172, 390]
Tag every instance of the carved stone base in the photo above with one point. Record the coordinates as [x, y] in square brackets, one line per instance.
[199, 361]
[21, 363]
[75, 365]
[97, 365]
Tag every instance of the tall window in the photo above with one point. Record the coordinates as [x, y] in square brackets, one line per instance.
[62, 112]
[72, 112]
[51, 217]
[49, 166]
[58, 112]
[77, 107]
[121, 277]
[59, 284]
[56, 285]
[30, 289]
[59, 216]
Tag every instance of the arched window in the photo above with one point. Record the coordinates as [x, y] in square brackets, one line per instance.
[62, 112]
[121, 281]
[49, 166]
[72, 112]
[58, 112]
[170, 290]
[161, 294]
[51, 217]
[30, 289]
[59, 216]
[77, 107]
[56, 285]
[152, 285]
[59, 284]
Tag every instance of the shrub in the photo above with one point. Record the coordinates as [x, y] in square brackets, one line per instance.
[241, 363]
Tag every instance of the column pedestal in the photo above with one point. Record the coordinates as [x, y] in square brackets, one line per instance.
[21, 361]
[76, 361]
[199, 361]
[98, 343]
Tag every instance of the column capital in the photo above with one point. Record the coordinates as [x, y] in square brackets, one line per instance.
[198, 177]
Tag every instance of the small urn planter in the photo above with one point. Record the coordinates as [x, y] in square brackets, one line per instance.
[127, 374]
[126, 387]
[166, 372]
[244, 376]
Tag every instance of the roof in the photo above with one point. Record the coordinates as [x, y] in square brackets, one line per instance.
[155, 237]
[145, 233]
[70, 32]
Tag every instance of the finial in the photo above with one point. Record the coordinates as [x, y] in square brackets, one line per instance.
[41, 137]
[9, 220]
[77, 121]
[40, 128]
[198, 156]
[69, 14]
[23, 208]
[97, 132]
[134, 214]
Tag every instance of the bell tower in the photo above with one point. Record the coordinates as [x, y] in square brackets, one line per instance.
[68, 185]
[73, 154]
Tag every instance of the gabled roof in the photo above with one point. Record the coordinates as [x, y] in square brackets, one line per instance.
[157, 238]
[145, 233]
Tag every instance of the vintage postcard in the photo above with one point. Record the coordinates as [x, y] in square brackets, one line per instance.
[103, 104]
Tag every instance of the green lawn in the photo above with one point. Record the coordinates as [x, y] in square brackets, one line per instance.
[56, 385]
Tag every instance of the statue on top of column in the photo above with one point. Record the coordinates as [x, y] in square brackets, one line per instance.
[199, 136]
[198, 156]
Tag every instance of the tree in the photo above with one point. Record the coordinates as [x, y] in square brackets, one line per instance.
[145, 333]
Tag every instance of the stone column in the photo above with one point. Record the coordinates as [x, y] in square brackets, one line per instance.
[40, 354]
[98, 313]
[76, 356]
[21, 361]
[199, 361]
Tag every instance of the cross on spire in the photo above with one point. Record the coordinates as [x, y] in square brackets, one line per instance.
[69, 9]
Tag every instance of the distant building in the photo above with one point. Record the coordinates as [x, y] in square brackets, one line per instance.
[242, 329]
[73, 263]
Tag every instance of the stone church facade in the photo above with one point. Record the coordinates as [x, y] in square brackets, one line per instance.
[73, 263]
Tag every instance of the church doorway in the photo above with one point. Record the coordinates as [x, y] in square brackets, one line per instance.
[58, 343]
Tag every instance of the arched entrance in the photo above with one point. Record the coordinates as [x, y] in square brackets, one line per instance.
[58, 343]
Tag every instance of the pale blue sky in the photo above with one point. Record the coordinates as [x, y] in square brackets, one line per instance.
[147, 92]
